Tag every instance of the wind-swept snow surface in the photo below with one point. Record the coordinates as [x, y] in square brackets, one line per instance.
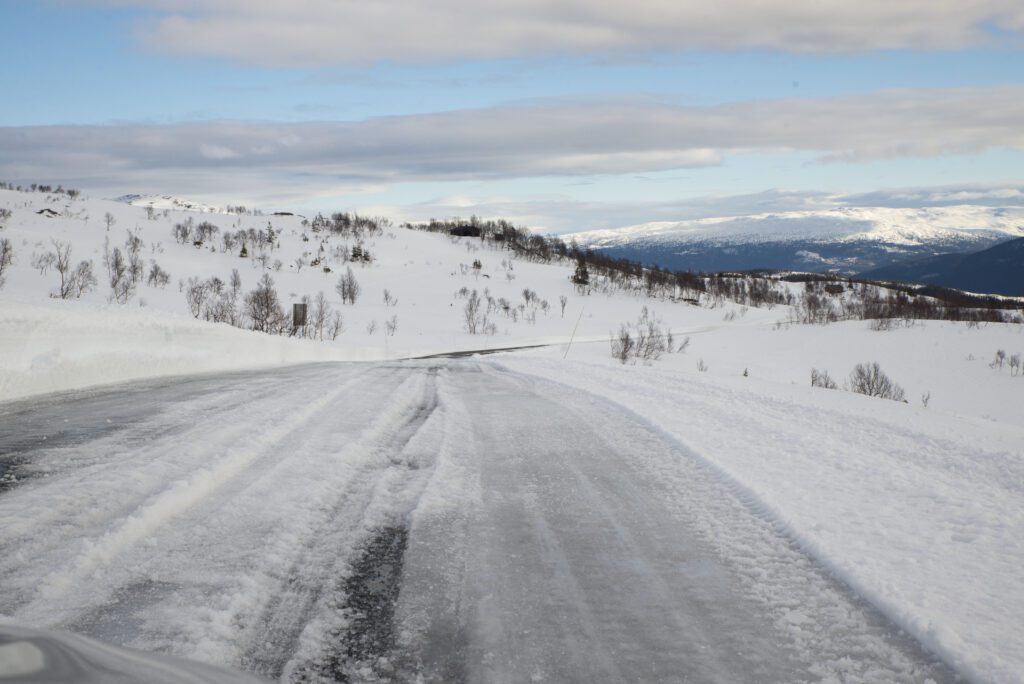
[443, 520]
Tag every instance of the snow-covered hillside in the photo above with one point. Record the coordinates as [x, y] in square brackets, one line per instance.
[161, 202]
[427, 277]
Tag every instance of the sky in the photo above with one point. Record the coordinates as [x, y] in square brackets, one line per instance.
[575, 115]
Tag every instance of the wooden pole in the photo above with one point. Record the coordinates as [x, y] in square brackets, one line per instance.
[573, 336]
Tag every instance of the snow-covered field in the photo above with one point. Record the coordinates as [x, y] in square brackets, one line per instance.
[917, 506]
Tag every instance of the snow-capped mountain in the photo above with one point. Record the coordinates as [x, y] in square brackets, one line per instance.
[844, 239]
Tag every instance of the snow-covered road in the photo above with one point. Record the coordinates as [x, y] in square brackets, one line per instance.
[445, 519]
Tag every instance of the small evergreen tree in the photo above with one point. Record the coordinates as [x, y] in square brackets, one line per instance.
[581, 277]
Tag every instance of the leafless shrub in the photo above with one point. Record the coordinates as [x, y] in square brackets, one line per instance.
[182, 232]
[650, 339]
[348, 287]
[868, 378]
[336, 326]
[74, 282]
[43, 262]
[473, 318]
[622, 344]
[205, 232]
[121, 286]
[6, 258]
[320, 316]
[391, 326]
[263, 307]
[822, 379]
[999, 360]
[133, 246]
[83, 279]
[158, 277]
[646, 343]
[195, 295]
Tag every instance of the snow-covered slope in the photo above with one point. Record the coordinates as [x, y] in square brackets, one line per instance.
[423, 274]
[161, 202]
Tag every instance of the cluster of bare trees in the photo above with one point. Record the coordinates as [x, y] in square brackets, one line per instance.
[827, 299]
[74, 280]
[349, 225]
[215, 300]
[249, 241]
[868, 378]
[475, 317]
[480, 309]
[37, 187]
[125, 270]
[821, 378]
[1013, 361]
[348, 287]
[260, 309]
[865, 378]
[263, 307]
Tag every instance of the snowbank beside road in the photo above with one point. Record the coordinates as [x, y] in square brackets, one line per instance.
[52, 346]
[918, 510]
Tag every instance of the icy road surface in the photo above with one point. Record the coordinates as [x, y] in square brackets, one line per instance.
[442, 519]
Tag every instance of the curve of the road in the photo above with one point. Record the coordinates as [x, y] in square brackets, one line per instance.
[440, 520]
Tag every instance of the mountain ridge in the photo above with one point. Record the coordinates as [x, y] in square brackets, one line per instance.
[846, 240]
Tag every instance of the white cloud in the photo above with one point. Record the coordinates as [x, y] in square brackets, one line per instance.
[348, 32]
[515, 142]
[217, 152]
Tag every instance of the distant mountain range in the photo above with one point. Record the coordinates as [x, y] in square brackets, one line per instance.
[847, 240]
[996, 270]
